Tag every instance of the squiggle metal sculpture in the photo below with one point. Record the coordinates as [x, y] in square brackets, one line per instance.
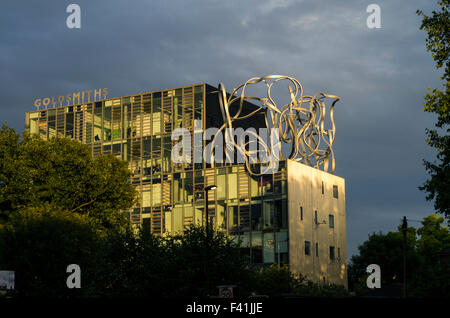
[301, 127]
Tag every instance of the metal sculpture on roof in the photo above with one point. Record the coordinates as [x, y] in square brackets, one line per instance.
[300, 123]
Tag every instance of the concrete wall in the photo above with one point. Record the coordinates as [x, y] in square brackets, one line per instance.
[305, 190]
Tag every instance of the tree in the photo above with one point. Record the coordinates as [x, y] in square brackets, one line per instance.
[434, 279]
[433, 237]
[438, 101]
[425, 275]
[386, 250]
[62, 172]
[40, 242]
[199, 263]
[275, 280]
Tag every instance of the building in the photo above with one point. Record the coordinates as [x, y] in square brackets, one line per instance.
[294, 216]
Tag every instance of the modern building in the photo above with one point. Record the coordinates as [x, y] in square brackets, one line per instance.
[294, 216]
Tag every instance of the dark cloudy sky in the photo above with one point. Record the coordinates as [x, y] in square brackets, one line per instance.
[381, 75]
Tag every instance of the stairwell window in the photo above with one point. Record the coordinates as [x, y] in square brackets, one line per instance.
[332, 256]
[335, 191]
[331, 221]
[307, 248]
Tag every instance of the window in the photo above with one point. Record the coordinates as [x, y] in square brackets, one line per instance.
[315, 217]
[307, 248]
[331, 221]
[301, 213]
[323, 189]
[332, 253]
[317, 249]
[339, 253]
[335, 191]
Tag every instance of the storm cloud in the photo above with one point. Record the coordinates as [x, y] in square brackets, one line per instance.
[381, 75]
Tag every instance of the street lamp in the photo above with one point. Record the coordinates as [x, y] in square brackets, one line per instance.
[208, 188]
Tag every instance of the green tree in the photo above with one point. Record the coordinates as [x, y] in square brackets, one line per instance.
[425, 275]
[433, 237]
[178, 265]
[40, 242]
[62, 172]
[200, 263]
[438, 101]
[433, 279]
[386, 250]
[275, 280]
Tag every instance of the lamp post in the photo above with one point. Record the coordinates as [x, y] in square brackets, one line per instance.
[404, 231]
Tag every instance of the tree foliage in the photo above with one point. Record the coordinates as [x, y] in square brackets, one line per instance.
[40, 242]
[426, 276]
[62, 172]
[437, 101]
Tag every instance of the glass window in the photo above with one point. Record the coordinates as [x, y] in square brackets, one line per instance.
[233, 219]
[177, 220]
[98, 122]
[317, 249]
[256, 217]
[335, 191]
[177, 190]
[221, 190]
[315, 218]
[146, 225]
[268, 214]
[254, 182]
[232, 186]
[301, 213]
[281, 213]
[221, 215]
[257, 250]
[146, 202]
[331, 220]
[269, 248]
[267, 184]
[156, 194]
[69, 125]
[331, 252]
[189, 187]
[307, 248]
[107, 123]
[199, 214]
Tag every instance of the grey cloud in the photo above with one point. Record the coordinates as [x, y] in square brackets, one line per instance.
[130, 47]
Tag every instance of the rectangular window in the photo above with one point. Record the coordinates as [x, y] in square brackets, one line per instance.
[317, 249]
[331, 220]
[332, 253]
[335, 191]
[339, 253]
[323, 188]
[301, 213]
[315, 218]
[307, 248]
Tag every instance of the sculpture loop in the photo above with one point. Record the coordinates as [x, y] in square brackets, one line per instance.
[300, 123]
